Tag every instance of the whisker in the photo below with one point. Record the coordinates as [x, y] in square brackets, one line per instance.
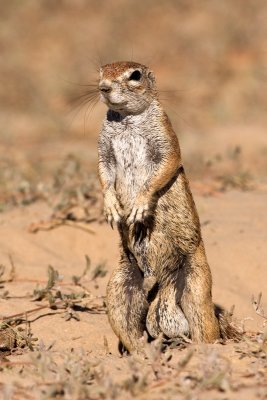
[87, 98]
[151, 97]
[90, 91]
[94, 85]
[184, 121]
[97, 61]
[89, 110]
[83, 104]
[85, 95]
[81, 84]
[171, 90]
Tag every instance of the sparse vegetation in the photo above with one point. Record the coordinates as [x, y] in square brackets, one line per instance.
[69, 303]
[55, 340]
[171, 368]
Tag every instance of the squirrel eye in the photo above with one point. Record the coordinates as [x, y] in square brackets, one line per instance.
[135, 76]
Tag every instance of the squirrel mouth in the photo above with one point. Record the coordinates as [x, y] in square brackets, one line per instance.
[123, 103]
[117, 106]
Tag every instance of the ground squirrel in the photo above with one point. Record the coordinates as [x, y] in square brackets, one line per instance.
[146, 194]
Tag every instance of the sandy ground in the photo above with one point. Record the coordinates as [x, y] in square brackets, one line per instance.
[210, 63]
[234, 230]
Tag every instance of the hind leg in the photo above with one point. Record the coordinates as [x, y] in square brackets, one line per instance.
[165, 315]
[126, 303]
[196, 298]
[183, 304]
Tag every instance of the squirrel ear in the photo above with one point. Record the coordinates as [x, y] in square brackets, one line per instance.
[151, 78]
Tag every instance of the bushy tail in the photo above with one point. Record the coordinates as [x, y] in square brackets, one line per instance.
[229, 328]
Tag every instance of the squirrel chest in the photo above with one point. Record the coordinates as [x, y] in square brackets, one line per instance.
[134, 159]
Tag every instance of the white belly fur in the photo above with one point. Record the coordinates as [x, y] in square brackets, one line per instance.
[131, 166]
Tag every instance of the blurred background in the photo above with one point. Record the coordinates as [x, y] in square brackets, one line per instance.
[209, 58]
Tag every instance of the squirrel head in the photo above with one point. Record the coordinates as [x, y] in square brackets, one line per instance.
[127, 87]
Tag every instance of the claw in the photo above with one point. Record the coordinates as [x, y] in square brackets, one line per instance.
[132, 217]
[118, 211]
[140, 232]
[116, 218]
[112, 208]
[109, 218]
[112, 216]
[138, 214]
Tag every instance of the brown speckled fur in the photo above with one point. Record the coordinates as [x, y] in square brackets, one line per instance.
[112, 71]
[147, 195]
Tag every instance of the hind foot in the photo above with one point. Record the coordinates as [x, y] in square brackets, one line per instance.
[165, 316]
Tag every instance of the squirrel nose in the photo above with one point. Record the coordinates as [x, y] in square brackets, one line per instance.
[104, 87]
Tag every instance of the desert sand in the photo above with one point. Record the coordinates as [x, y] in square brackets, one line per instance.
[56, 250]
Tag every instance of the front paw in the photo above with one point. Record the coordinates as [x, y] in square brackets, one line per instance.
[139, 213]
[112, 209]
